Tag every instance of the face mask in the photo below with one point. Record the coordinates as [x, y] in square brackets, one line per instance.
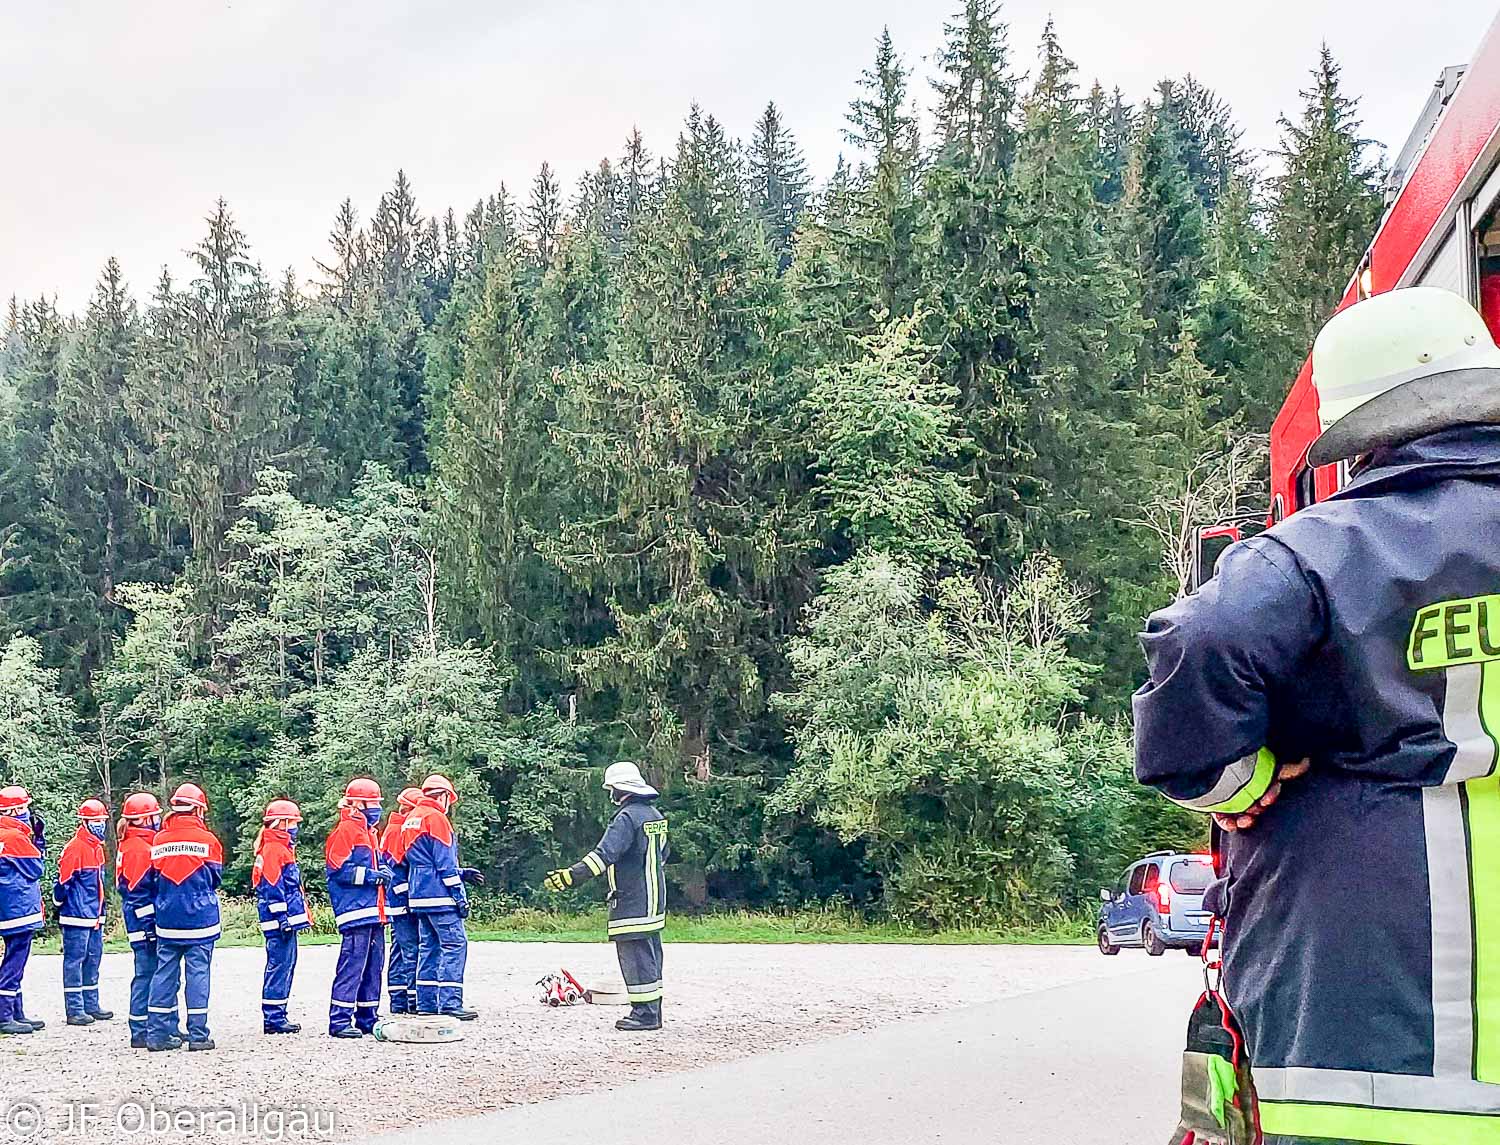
[23, 816]
[372, 815]
[97, 830]
[291, 834]
[153, 823]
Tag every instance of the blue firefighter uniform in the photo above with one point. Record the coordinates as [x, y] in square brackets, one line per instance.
[21, 861]
[401, 969]
[79, 898]
[277, 881]
[1362, 932]
[188, 865]
[632, 855]
[439, 904]
[136, 882]
[355, 892]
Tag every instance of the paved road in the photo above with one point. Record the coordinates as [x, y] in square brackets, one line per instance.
[1094, 1061]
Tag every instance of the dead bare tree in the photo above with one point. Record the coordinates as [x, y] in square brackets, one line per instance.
[1216, 487]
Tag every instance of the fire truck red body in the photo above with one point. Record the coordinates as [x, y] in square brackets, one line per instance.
[1444, 205]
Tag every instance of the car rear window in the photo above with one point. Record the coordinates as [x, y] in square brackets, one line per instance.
[1192, 877]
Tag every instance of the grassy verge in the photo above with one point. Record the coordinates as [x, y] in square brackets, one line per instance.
[752, 927]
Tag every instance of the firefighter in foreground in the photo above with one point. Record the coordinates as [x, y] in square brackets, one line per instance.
[356, 881]
[1332, 697]
[633, 853]
[21, 849]
[140, 820]
[79, 898]
[187, 865]
[283, 912]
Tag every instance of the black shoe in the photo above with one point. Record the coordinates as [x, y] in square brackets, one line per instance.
[80, 1020]
[461, 1014]
[346, 1032]
[101, 1015]
[9, 1028]
[138, 1042]
[639, 1019]
[284, 1028]
[163, 1047]
[205, 1044]
[34, 1023]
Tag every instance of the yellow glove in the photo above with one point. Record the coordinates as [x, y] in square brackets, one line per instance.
[558, 880]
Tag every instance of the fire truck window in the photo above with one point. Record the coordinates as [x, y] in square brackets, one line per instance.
[1307, 487]
[1487, 234]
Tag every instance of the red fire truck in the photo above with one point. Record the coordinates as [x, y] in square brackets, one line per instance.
[1441, 228]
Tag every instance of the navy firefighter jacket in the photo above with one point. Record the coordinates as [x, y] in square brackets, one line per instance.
[352, 858]
[78, 893]
[1362, 917]
[632, 855]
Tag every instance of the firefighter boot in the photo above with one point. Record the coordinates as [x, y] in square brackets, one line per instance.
[645, 1016]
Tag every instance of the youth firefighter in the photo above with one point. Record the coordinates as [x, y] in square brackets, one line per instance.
[355, 884]
[187, 864]
[401, 967]
[79, 898]
[632, 854]
[1352, 652]
[437, 901]
[283, 912]
[21, 851]
[140, 820]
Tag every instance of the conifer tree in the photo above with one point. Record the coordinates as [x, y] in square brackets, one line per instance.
[1325, 204]
[544, 216]
[778, 182]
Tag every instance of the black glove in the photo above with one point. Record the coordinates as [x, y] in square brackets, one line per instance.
[38, 830]
[463, 909]
[472, 875]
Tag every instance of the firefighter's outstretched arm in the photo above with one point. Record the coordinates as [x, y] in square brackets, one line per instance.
[612, 847]
[1202, 722]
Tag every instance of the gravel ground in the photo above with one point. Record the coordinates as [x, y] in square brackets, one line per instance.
[723, 1003]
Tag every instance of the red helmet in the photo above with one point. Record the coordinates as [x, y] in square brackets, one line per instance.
[189, 795]
[439, 785]
[92, 811]
[282, 809]
[363, 789]
[13, 799]
[408, 798]
[141, 805]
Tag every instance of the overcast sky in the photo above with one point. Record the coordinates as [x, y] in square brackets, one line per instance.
[121, 121]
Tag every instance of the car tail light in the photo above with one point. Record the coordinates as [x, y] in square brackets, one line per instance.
[1164, 896]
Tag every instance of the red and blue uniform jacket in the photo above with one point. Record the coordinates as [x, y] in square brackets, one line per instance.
[393, 854]
[278, 883]
[20, 878]
[431, 853]
[352, 857]
[188, 863]
[136, 881]
[79, 891]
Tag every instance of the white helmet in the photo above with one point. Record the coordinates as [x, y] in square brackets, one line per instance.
[627, 777]
[1401, 365]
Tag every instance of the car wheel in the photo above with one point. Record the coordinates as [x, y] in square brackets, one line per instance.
[1105, 945]
[1152, 941]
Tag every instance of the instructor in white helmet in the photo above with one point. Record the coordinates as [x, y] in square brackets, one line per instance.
[632, 855]
[1332, 698]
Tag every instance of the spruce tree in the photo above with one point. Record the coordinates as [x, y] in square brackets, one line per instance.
[778, 182]
[544, 217]
[1325, 204]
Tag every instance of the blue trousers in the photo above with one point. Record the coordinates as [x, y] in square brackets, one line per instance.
[442, 952]
[174, 962]
[12, 967]
[401, 970]
[356, 979]
[140, 986]
[83, 948]
[281, 965]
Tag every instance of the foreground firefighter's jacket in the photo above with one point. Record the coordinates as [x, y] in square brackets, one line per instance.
[1362, 944]
[632, 855]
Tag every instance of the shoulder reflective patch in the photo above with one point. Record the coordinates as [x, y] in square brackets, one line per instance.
[1454, 632]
